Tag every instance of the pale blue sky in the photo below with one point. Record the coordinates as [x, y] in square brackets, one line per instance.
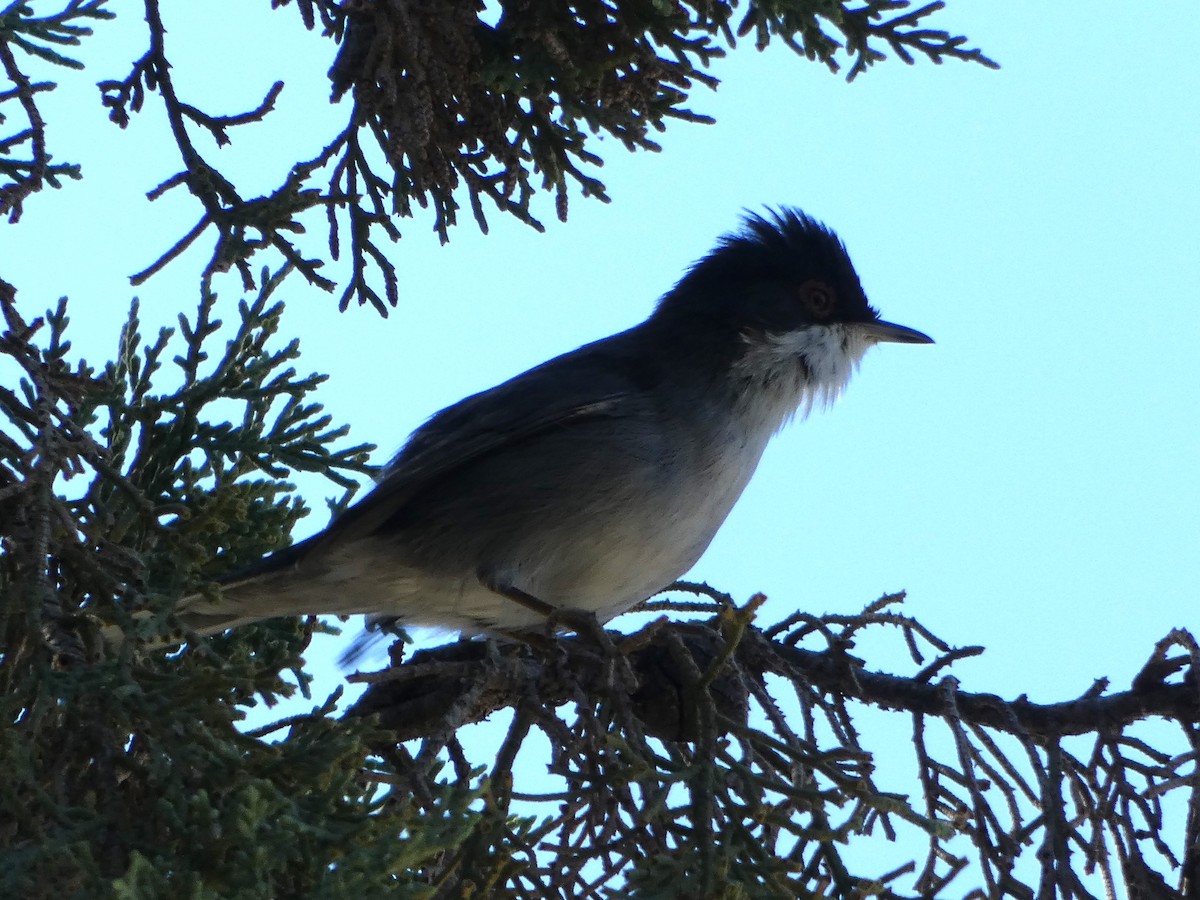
[1031, 479]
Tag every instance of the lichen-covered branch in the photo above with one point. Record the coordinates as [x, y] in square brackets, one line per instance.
[746, 746]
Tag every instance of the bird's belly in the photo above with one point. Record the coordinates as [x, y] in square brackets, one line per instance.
[616, 560]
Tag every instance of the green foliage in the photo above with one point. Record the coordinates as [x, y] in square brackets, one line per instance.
[129, 776]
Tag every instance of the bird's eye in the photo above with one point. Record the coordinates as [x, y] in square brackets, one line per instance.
[819, 298]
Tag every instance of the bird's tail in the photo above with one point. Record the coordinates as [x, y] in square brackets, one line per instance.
[197, 615]
[271, 587]
[216, 610]
[229, 606]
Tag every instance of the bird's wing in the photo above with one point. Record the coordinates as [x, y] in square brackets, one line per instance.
[574, 388]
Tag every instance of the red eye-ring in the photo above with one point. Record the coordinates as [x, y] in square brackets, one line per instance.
[819, 298]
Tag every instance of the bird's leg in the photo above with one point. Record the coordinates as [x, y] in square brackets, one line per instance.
[589, 630]
[582, 622]
[585, 624]
[527, 600]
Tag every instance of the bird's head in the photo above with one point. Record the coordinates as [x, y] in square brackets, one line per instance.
[777, 305]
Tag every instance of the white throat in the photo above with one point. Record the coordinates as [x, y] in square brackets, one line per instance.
[790, 373]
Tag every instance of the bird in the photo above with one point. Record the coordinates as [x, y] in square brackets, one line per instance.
[595, 480]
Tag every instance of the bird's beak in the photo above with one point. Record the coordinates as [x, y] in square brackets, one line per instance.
[887, 332]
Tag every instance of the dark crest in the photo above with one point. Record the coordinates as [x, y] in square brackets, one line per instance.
[758, 275]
